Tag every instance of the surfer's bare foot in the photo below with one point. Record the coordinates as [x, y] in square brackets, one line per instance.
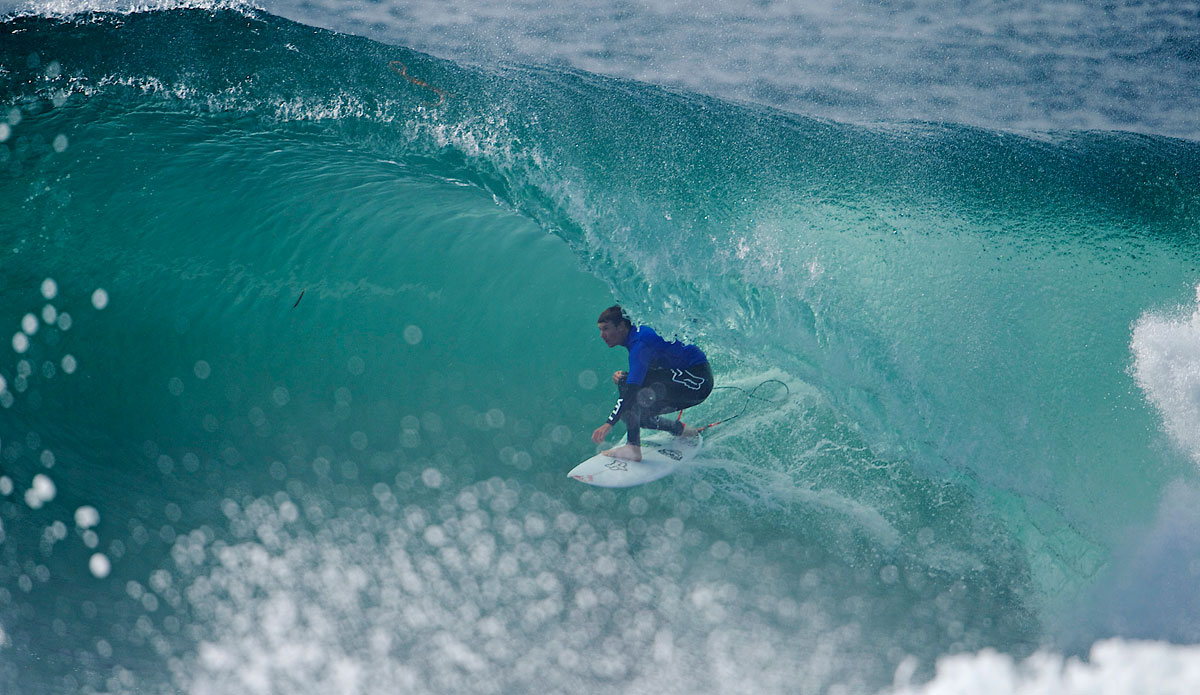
[628, 452]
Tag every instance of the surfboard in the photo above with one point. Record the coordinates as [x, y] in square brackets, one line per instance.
[662, 455]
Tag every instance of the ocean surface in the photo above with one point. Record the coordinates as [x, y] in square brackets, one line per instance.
[302, 304]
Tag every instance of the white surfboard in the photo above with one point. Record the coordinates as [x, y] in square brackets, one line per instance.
[662, 455]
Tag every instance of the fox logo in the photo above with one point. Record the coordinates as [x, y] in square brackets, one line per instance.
[686, 378]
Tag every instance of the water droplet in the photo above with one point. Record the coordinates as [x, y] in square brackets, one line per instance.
[86, 517]
[44, 487]
[100, 565]
[432, 477]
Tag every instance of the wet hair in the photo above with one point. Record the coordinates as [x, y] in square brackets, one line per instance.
[614, 315]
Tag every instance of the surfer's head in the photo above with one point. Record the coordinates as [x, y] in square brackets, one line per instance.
[614, 325]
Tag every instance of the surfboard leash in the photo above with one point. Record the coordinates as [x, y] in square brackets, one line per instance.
[402, 70]
[750, 395]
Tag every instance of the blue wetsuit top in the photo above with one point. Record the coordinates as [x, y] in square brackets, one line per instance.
[648, 351]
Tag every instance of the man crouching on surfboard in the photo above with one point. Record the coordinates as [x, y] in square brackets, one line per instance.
[662, 377]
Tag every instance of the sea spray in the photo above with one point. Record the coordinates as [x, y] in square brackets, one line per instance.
[1166, 365]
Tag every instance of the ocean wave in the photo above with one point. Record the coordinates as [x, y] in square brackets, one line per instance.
[329, 283]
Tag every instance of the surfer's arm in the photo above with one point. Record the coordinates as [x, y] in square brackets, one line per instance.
[639, 365]
[628, 383]
[625, 403]
[617, 411]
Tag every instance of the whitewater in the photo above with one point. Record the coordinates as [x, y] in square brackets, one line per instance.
[302, 308]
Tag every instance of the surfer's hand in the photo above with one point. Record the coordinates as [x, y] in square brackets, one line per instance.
[619, 376]
[601, 432]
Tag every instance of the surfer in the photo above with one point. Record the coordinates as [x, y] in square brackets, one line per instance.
[662, 377]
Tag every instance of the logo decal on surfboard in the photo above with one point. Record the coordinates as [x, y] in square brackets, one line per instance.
[672, 454]
[617, 465]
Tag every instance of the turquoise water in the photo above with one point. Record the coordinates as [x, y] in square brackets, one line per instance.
[317, 347]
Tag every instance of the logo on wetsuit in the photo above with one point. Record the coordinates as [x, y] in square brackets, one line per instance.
[688, 379]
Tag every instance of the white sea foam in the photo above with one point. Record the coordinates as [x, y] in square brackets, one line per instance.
[1113, 667]
[1166, 366]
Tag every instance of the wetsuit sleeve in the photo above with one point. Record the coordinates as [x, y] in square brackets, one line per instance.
[639, 365]
[625, 403]
[617, 411]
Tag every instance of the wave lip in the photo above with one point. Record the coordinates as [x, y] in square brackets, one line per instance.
[66, 9]
[1023, 65]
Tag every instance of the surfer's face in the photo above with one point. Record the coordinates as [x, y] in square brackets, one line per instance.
[613, 333]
